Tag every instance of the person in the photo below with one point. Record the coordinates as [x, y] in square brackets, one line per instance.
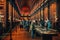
[48, 24]
[42, 23]
[36, 22]
[21, 23]
[57, 25]
[32, 28]
[29, 22]
[24, 23]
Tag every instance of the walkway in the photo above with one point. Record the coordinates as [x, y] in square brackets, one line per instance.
[20, 34]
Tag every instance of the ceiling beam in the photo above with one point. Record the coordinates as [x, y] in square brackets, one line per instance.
[15, 6]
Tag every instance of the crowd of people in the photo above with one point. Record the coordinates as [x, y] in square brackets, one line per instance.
[29, 25]
[42, 23]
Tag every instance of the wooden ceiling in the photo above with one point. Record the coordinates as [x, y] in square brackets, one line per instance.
[28, 3]
[25, 6]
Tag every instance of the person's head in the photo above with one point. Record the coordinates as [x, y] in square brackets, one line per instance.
[46, 20]
[41, 18]
[56, 19]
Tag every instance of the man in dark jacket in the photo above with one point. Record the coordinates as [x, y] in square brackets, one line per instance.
[57, 25]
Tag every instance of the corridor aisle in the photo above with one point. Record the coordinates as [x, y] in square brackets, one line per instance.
[20, 34]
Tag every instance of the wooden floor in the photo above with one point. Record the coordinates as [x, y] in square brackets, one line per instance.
[20, 34]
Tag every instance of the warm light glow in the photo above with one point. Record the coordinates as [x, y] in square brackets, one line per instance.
[46, 13]
[25, 10]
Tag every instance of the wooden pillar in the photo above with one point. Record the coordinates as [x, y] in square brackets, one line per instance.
[7, 12]
[58, 9]
[49, 10]
[40, 14]
[11, 21]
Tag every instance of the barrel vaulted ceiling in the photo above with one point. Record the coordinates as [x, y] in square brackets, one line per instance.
[25, 6]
